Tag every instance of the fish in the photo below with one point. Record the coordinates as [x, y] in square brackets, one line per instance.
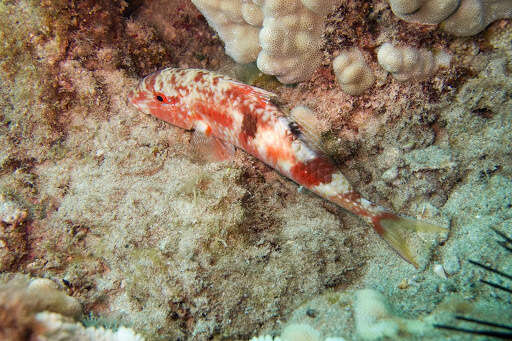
[232, 113]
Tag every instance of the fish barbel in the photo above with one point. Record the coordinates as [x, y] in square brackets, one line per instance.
[249, 118]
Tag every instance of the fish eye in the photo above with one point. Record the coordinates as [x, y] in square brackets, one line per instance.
[160, 97]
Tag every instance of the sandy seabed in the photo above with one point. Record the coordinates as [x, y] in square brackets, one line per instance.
[111, 205]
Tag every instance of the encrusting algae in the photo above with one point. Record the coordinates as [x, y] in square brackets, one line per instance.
[249, 118]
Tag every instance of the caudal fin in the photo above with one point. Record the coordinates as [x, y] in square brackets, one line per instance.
[392, 227]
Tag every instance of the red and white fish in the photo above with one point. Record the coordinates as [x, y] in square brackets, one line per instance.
[248, 118]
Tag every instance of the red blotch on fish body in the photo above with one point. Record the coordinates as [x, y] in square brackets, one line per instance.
[199, 76]
[151, 81]
[276, 154]
[217, 115]
[246, 97]
[172, 80]
[353, 200]
[175, 114]
[314, 172]
[138, 97]
[182, 90]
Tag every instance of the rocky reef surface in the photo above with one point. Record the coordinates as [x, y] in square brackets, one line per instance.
[113, 207]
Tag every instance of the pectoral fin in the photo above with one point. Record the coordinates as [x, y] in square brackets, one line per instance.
[209, 148]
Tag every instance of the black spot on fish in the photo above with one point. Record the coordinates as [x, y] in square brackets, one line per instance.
[295, 129]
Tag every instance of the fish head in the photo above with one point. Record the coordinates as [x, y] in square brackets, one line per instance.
[156, 95]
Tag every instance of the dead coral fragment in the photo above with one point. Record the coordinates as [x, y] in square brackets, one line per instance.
[374, 321]
[21, 298]
[10, 212]
[12, 233]
[300, 332]
[57, 327]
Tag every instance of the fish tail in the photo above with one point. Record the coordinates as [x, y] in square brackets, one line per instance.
[391, 228]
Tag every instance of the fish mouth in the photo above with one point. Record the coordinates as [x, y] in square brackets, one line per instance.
[130, 99]
[131, 94]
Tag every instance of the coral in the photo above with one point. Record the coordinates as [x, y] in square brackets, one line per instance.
[458, 17]
[51, 326]
[423, 11]
[410, 63]
[374, 320]
[238, 31]
[284, 36]
[21, 298]
[300, 332]
[352, 73]
[265, 338]
[297, 332]
[473, 16]
[12, 232]
[290, 40]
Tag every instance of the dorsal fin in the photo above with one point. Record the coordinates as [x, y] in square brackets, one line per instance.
[257, 93]
[260, 93]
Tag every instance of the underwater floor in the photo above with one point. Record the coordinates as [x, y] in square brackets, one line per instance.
[113, 227]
